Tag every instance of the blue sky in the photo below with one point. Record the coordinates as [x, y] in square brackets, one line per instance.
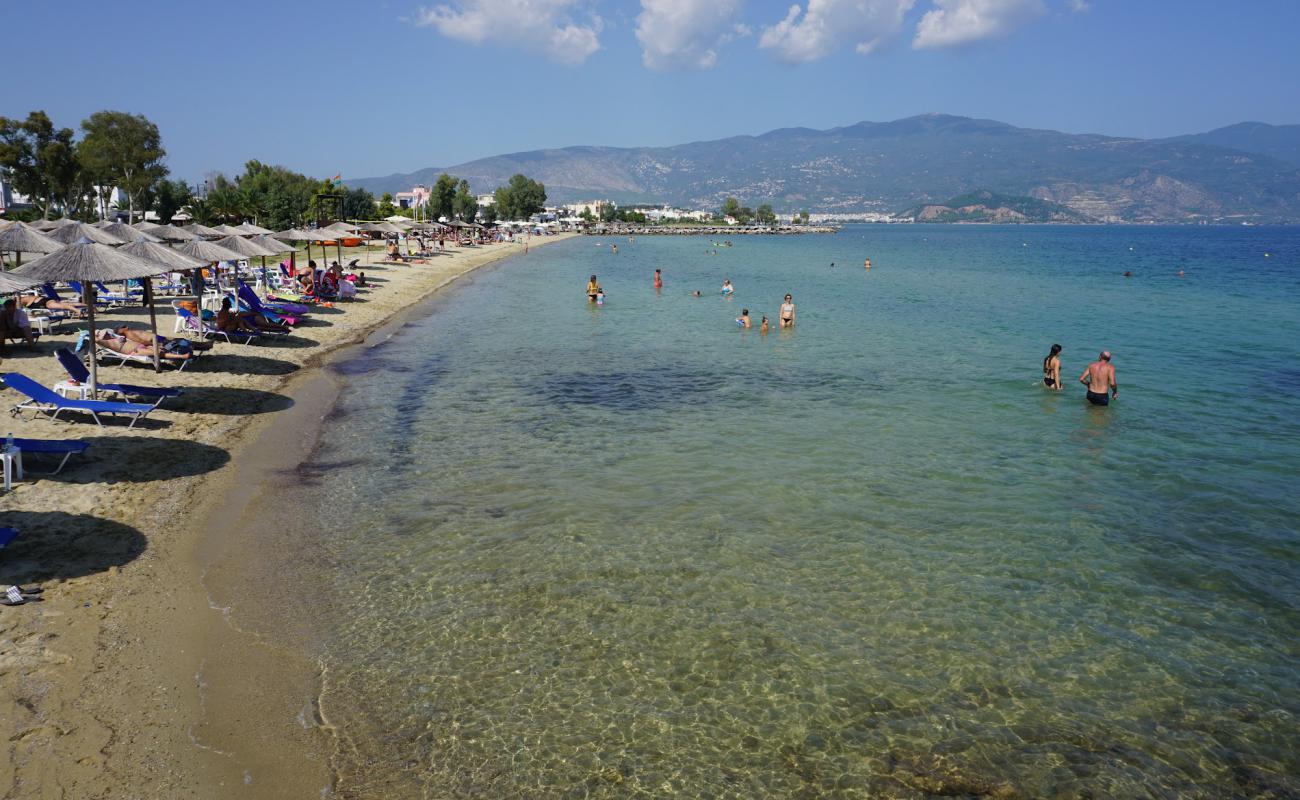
[369, 87]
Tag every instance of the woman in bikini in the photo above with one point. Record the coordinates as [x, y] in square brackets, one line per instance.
[1052, 369]
[787, 312]
[118, 343]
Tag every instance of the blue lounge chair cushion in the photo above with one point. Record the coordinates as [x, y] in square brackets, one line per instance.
[78, 372]
[7, 535]
[21, 383]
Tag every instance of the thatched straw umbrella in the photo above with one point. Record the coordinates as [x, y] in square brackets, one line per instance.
[45, 224]
[146, 225]
[249, 249]
[211, 253]
[171, 233]
[302, 235]
[254, 230]
[204, 231]
[75, 231]
[229, 230]
[14, 283]
[127, 233]
[21, 238]
[88, 261]
[167, 259]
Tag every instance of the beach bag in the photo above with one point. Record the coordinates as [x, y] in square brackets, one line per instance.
[178, 347]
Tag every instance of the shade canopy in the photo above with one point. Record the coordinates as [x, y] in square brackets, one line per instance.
[228, 230]
[208, 251]
[127, 233]
[16, 283]
[168, 259]
[255, 230]
[171, 233]
[342, 228]
[22, 238]
[303, 235]
[145, 225]
[272, 244]
[80, 230]
[204, 231]
[244, 247]
[87, 261]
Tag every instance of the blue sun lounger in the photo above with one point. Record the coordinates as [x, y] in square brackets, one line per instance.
[78, 372]
[43, 399]
[7, 535]
[55, 447]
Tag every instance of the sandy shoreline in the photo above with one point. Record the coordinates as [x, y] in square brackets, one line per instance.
[105, 687]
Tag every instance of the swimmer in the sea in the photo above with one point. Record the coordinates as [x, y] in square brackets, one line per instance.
[787, 312]
[743, 319]
[727, 288]
[762, 328]
[593, 289]
[659, 279]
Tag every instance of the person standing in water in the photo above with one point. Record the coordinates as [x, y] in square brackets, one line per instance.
[743, 319]
[1052, 369]
[762, 328]
[727, 288]
[787, 312]
[866, 264]
[593, 289]
[1099, 377]
[659, 279]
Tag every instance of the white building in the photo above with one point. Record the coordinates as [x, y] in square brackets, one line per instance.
[485, 200]
[417, 196]
[592, 207]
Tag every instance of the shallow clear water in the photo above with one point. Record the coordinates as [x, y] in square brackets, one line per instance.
[634, 551]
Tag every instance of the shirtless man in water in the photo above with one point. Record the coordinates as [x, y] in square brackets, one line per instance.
[1099, 377]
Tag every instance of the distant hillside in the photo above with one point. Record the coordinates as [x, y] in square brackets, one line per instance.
[985, 206]
[892, 166]
[1275, 141]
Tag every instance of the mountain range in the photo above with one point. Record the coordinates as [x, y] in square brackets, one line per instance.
[1246, 172]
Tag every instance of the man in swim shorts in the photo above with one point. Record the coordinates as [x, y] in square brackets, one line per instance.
[1099, 377]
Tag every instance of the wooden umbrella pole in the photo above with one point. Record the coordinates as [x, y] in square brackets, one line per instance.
[88, 297]
[153, 322]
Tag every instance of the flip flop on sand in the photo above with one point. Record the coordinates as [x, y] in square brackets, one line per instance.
[15, 596]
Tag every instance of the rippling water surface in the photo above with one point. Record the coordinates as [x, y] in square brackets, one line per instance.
[634, 551]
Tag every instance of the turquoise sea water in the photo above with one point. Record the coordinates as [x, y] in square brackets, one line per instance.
[634, 551]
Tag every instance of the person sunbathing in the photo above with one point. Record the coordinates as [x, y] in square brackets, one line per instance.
[230, 321]
[112, 340]
[39, 301]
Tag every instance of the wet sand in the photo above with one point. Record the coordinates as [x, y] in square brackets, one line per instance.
[132, 678]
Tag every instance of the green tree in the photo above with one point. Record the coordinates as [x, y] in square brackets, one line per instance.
[466, 204]
[765, 215]
[802, 217]
[386, 208]
[170, 197]
[608, 213]
[488, 214]
[730, 207]
[587, 215]
[520, 198]
[40, 161]
[358, 204]
[442, 198]
[123, 150]
[744, 215]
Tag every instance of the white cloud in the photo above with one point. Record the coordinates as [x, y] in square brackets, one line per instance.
[686, 34]
[547, 27]
[1079, 6]
[810, 33]
[958, 22]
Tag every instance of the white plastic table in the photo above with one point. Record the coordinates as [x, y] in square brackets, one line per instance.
[12, 461]
[71, 389]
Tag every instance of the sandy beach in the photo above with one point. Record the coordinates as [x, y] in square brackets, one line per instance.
[107, 684]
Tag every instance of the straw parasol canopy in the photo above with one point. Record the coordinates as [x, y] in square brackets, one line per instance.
[79, 230]
[209, 251]
[244, 247]
[272, 244]
[88, 261]
[342, 228]
[45, 224]
[22, 238]
[14, 283]
[204, 231]
[168, 259]
[145, 225]
[254, 230]
[171, 233]
[229, 230]
[127, 233]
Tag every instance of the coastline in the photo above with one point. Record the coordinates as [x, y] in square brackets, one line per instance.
[107, 684]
